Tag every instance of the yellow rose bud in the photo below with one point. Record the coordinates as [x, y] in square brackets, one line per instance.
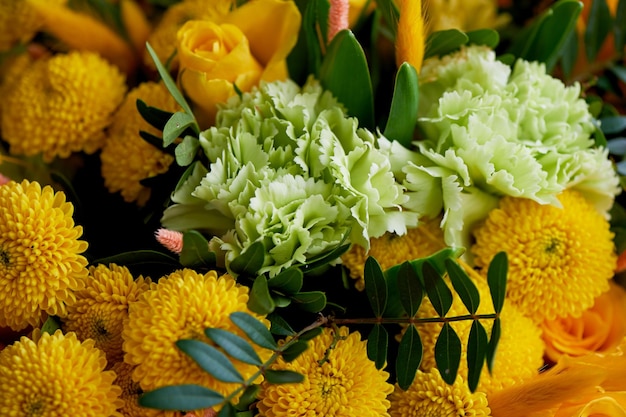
[213, 59]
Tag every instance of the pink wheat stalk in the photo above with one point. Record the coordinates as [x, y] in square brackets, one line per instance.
[337, 17]
[4, 180]
[171, 239]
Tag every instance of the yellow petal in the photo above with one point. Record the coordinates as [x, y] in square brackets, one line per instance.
[271, 27]
[82, 32]
[136, 24]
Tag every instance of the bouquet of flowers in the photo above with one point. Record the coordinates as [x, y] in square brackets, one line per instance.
[312, 208]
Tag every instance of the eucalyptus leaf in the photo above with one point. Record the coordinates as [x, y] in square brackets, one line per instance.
[294, 350]
[496, 279]
[254, 329]
[187, 150]
[310, 301]
[496, 332]
[487, 37]
[283, 376]
[250, 261]
[181, 397]
[288, 281]
[599, 25]
[279, 325]
[477, 346]
[175, 126]
[155, 117]
[234, 345]
[613, 125]
[409, 357]
[248, 397]
[377, 345]
[195, 252]
[410, 289]
[375, 286]
[311, 334]
[210, 360]
[280, 301]
[228, 410]
[448, 353]
[260, 300]
[400, 125]
[463, 285]
[438, 292]
[444, 41]
[345, 73]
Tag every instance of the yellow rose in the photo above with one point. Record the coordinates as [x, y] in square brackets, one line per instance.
[602, 404]
[241, 48]
[599, 329]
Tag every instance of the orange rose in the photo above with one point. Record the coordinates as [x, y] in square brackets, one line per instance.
[239, 49]
[601, 404]
[599, 329]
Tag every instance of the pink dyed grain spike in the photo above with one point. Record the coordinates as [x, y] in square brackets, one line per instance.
[337, 17]
[171, 239]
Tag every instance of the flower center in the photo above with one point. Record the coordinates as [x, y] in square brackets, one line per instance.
[5, 259]
[553, 245]
[35, 408]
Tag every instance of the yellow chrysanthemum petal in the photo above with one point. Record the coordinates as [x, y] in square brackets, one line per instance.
[101, 307]
[182, 306]
[163, 37]
[40, 261]
[126, 157]
[347, 384]
[560, 259]
[131, 391]
[56, 376]
[391, 249]
[62, 105]
[520, 349]
[430, 396]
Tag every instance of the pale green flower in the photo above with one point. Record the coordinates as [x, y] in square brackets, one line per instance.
[492, 131]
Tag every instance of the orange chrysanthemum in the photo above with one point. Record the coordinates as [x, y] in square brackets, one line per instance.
[181, 306]
[429, 396]
[127, 158]
[346, 384]
[62, 105]
[101, 307]
[560, 259]
[56, 375]
[40, 254]
[391, 249]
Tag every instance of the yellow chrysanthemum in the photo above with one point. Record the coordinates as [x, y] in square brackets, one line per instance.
[560, 259]
[182, 306]
[62, 105]
[163, 36]
[430, 396]
[56, 376]
[347, 384]
[126, 157]
[391, 249]
[131, 391]
[40, 254]
[520, 350]
[19, 22]
[101, 307]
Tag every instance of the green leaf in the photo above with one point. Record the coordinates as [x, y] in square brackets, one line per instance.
[171, 85]
[279, 325]
[613, 125]
[325, 258]
[599, 25]
[156, 141]
[283, 376]
[444, 41]
[570, 53]
[496, 279]
[619, 72]
[375, 286]
[463, 285]
[250, 261]
[234, 346]
[400, 125]
[294, 350]
[181, 397]
[410, 289]
[187, 150]
[260, 300]
[438, 292]
[448, 353]
[311, 301]
[155, 117]
[409, 357]
[196, 251]
[280, 301]
[311, 334]
[390, 14]
[254, 329]
[175, 126]
[288, 281]
[345, 73]
[248, 397]
[619, 29]
[377, 344]
[490, 356]
[477, 346]
[487, 37]
[210, 360]
[227, 411]
[139, 257]
[51, 325]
